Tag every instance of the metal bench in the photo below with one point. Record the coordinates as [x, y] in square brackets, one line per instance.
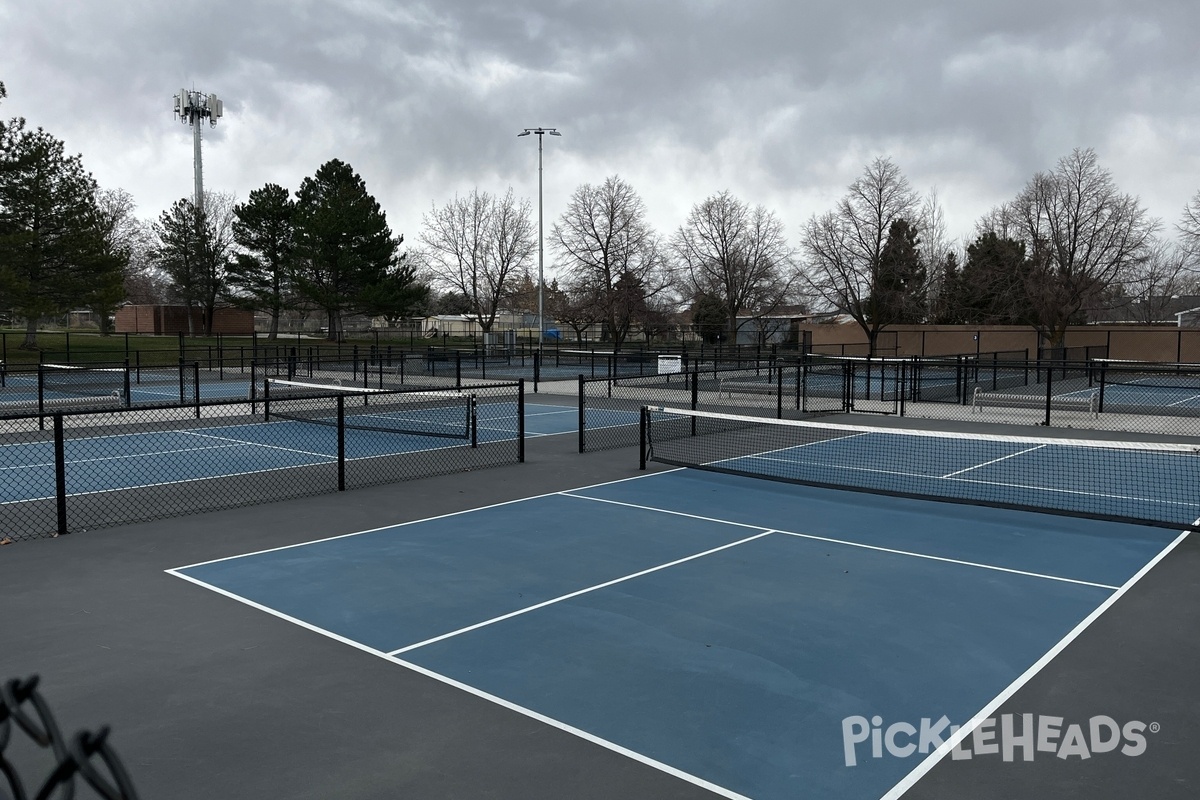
[981, 399]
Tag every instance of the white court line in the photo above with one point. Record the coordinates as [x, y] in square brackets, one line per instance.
[1080, 492]
[1184, 400]
[588, 590]
[860, 545]
[75, 461]
[427, 519]
[988, 710]
[260, 444]
[953, 477]
[471, 690]
[993, 461]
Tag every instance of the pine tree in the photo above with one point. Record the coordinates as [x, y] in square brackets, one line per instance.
[260, 277]
[343, 244]
[52, 252]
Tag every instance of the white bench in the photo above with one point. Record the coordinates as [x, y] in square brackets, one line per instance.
[1089, 403]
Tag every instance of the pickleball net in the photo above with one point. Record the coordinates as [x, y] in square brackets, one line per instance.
[64, 385]
[1151, 483]
[448, 414]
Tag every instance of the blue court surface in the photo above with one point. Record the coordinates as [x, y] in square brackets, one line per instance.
[194, 453]
[723, 629]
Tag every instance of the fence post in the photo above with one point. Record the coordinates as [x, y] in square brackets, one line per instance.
[196, 385]
[520, 420]
[778, 390]
[1049, 392]
[1103, 369]
[60, 474]
[253, 387]
[642, 437]
[582, 414]
[341, 442]
[41, 387]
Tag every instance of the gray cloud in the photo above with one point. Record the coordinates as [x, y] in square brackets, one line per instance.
[781, 103]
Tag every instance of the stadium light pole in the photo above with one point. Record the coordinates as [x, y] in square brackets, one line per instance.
[541, 246]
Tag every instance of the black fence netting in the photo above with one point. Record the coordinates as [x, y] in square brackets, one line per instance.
[609, 407]
[28, 727]
[84, 469]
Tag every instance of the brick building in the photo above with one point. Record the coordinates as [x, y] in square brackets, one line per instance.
[162, 320]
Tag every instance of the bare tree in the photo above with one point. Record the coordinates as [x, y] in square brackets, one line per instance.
[1157, 280]
[738, 254]
[574, 307]
[479, 245]
[1189, 227]
[1083, 237]
[194, 252]
[610, 253]
[845, 247]
[935, 249]
[129, 240]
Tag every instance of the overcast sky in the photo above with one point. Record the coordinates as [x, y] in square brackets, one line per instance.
[781, 103]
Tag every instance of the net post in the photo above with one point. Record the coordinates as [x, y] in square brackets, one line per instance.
[366, 364]
[1103, 370]
[582, 414]
[41, 387]
[126, 388]
[1049, 392]
[778, 389]
[642, 437]
[267, 404]
[520, 420]
[341, 442]
[60, 474]
[196, 386]
[695, 387]
[473, 420]
[796, 367]
[253, 386]
[847, 386]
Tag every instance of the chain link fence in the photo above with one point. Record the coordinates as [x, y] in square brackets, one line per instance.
[82, 469]
[783, 389]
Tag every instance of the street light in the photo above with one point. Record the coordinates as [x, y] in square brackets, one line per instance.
[541, 248]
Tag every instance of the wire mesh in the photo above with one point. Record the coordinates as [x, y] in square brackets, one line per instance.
[88, 470]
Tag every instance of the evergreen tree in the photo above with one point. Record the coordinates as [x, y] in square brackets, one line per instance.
[343, 245]
[52, 252]
[994, 284]
[178, 255]
[899, 292]
[709, 317]
[260, 277]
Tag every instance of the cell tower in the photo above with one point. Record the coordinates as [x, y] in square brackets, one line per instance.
[192, 108]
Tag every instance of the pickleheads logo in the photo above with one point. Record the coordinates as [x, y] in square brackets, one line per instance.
[1008, 736]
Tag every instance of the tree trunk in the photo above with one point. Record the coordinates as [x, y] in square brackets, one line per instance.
[30, 342]
[273, 331]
